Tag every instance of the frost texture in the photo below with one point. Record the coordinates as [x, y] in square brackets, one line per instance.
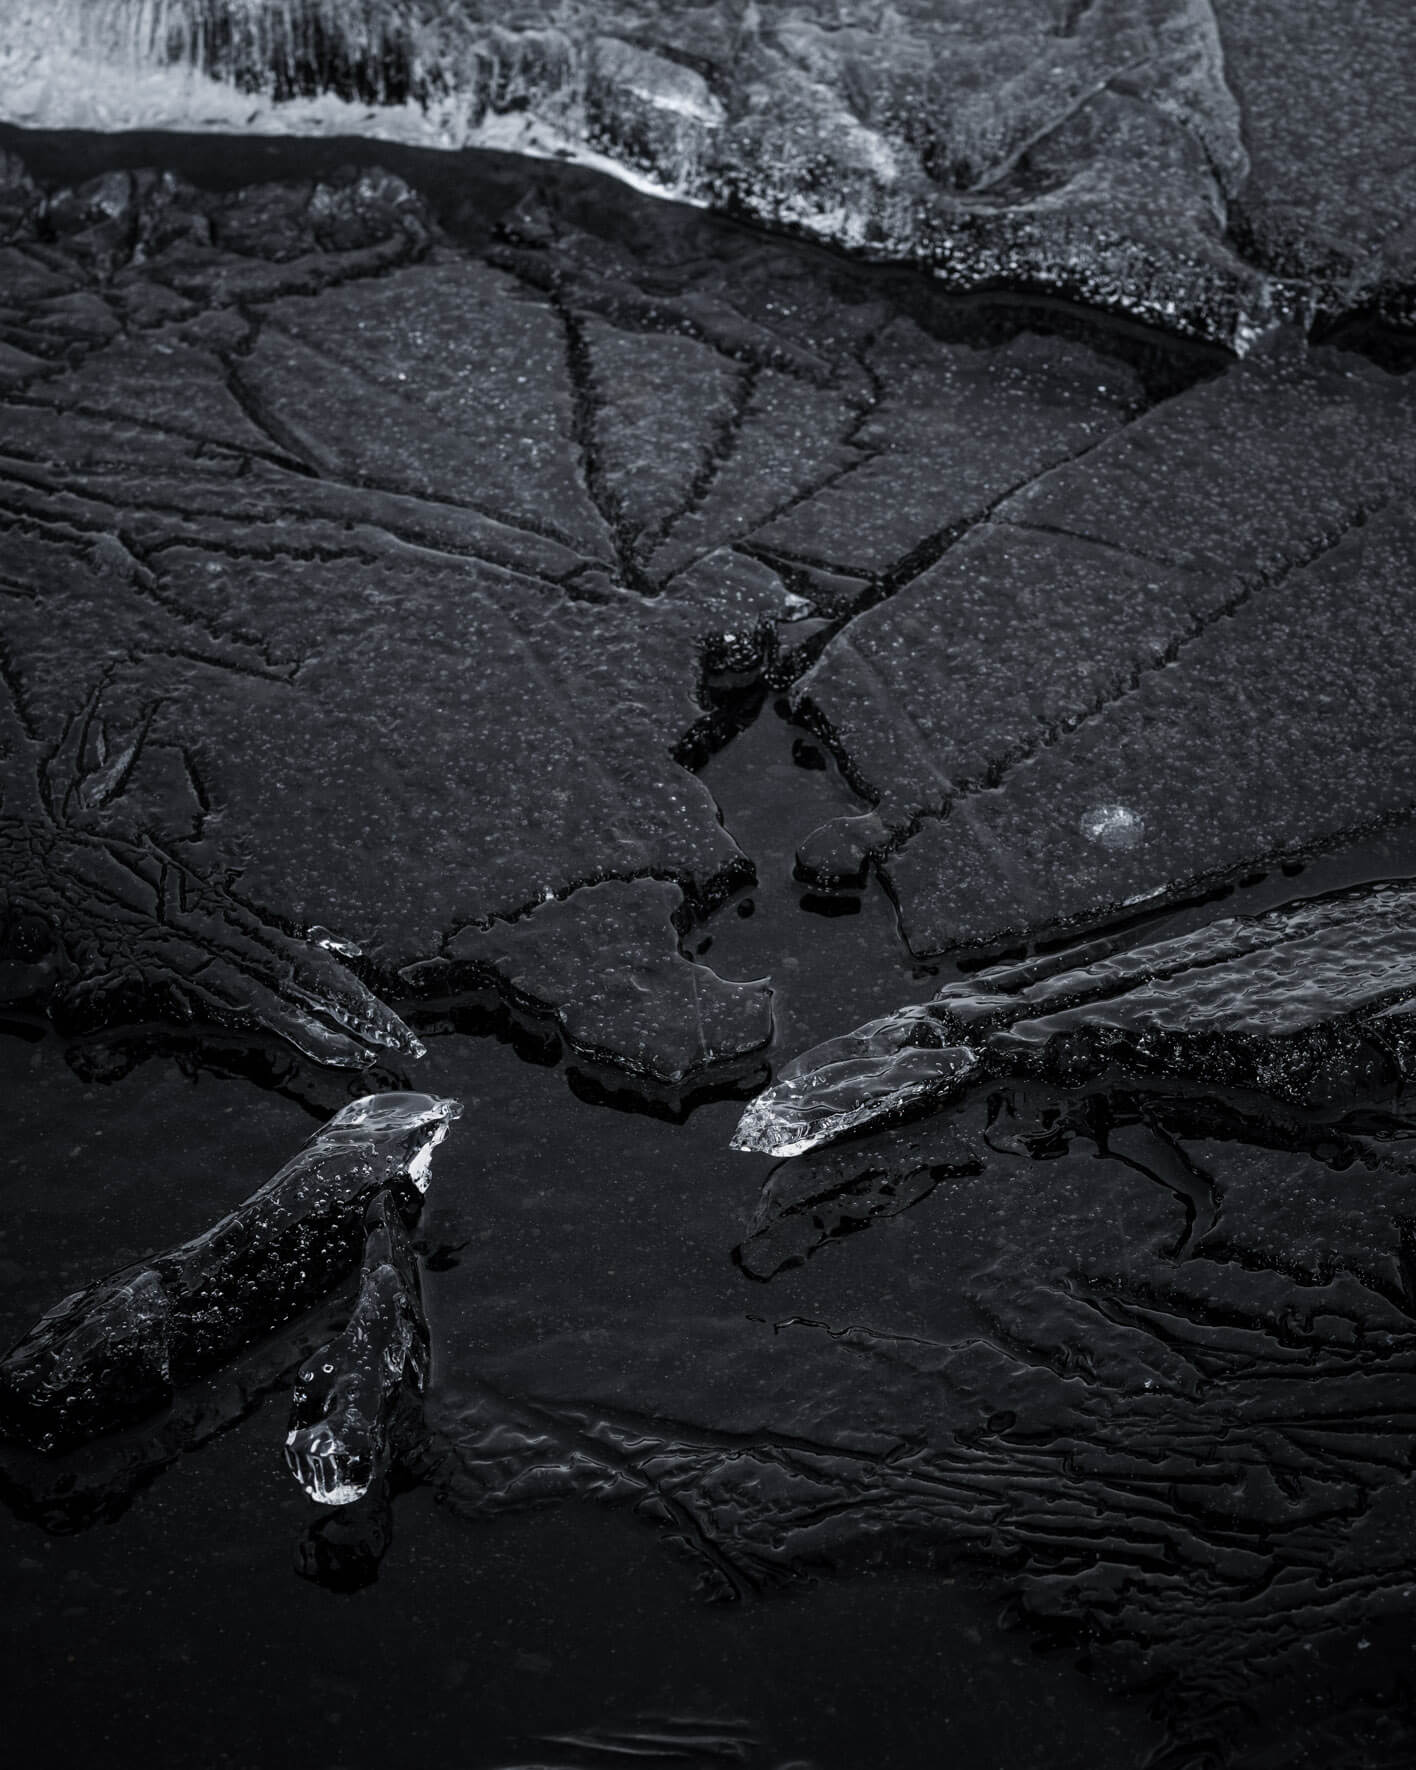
[1144, 1354]
[347, 1394]
[1092, 150]
[120, 1347]
[62, 832]
[1309, 1003]
[615, 480]
[607, 473]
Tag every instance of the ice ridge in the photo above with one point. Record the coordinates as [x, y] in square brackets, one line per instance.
[1311, 1003]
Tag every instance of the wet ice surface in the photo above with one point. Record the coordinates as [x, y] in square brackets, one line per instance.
[347, 1394]
[637, 596]
[1309, 1003]
[121, 1347]
[1207, 166]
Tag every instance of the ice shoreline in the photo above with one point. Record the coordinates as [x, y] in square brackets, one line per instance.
[791, 152]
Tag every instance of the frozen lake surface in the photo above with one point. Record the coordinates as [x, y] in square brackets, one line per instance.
[473, 631]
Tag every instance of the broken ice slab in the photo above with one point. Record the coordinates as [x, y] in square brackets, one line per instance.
[120, 1347]
[347, 1394]
[1311, 1003]
[1141, 628]
[121, 904]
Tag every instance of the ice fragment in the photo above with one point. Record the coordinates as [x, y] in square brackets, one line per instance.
[347, 1395]
[1311, 1003]
[884, 1065]
[119, 1348]
[335, 943]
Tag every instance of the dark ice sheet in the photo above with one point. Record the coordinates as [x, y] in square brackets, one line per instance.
[1132, 1379]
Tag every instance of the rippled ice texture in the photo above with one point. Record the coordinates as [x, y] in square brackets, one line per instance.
[1311, 1002]
[1098, 150]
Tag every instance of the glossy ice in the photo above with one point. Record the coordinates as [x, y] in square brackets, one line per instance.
[897, 1061]
[1095, 150]
[1310, 1002]
[120, 1348]
[347, 1394]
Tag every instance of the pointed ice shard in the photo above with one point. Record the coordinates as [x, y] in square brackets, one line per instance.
[347, 1395]
[119, 1348]
[1313, 1003]
[880, 1068]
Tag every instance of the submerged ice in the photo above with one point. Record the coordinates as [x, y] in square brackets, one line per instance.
[1311, 1003]
[122, 1346]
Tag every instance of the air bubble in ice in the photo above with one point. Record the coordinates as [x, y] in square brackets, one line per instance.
[342, 1430]
[1113, 826]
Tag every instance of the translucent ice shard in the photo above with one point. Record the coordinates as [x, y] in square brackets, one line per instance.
[119, 1348]
[347, 1394]
[1312, 1003]
[886, 1064]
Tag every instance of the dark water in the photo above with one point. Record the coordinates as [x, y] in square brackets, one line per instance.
[181, 1630]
